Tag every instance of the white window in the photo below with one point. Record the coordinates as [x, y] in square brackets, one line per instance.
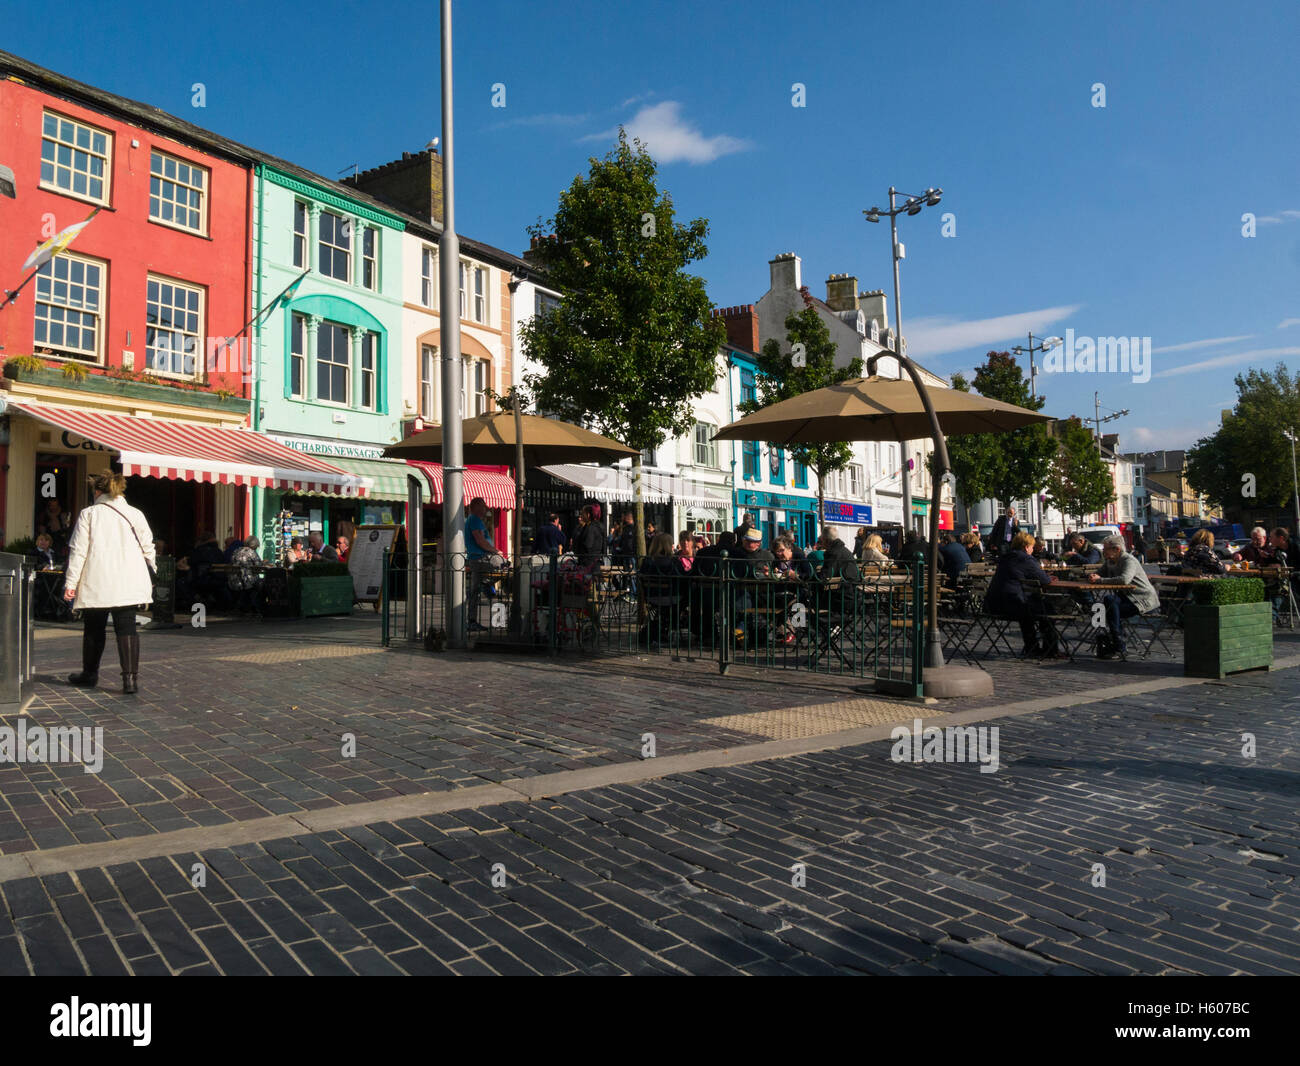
[370, 258]
[369, 361]
[428, 277]
[706, 448]
[333, 363]
[1137, 477]
[480, 294]
[174, 326]
[69, 306]
[335, 246]
[893, 469]
[464, 269]
[177, 192]
[482, 382]
[297, 356]
[428, 377]
[544, 302]
[75, 158]
[300, 234]
[855, 479]
[875, 458]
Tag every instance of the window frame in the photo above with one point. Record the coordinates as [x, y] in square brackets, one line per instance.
[748, 386]
[429, 277]
[429, 382]
[100, 314]
[299, 357]
[51, 184]
[346, 330]
[369, 263]
[464, 270]
[751, 461]
[369, 339]
[705, 452]
[300, 238]
[200, 332]
[202, 229]
[855, 480]
[342, 226]
[482, 305]
[800, 475]
[777, 476]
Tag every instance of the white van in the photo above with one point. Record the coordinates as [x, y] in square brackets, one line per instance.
[1096, 534]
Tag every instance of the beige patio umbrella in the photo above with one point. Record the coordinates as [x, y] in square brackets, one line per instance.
[507, 437]
[876, 408]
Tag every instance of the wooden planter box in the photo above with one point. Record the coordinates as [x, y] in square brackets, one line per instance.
[1222, 640]
[325, 595]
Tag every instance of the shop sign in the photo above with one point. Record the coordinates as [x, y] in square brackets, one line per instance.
[343, 449]
[920, 507]
[855, 514]
[73, 442]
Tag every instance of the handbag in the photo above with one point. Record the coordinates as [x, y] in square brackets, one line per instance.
[153, 573]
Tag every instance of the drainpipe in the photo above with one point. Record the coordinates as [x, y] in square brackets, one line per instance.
[257, 495]
[731, 406]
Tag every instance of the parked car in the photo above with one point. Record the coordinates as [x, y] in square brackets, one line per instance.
[1096, 534]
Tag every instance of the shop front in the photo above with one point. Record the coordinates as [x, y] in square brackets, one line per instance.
[187, 478]
[848, 517]
[493, 484]
[612, 488]
[777, 512]
[888, 510]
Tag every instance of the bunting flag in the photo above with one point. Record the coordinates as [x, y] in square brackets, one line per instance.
[52, 246]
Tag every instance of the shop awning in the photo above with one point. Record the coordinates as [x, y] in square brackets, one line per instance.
[497, 490]
[187, 451]
[387, 477]
[614, 484]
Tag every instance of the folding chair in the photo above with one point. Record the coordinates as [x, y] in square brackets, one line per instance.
[1153, 624]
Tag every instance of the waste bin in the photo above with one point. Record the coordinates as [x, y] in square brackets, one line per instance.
[17, 587]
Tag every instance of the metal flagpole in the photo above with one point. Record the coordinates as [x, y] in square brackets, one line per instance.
[453, 489]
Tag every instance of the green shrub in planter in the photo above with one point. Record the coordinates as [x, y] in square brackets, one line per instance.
[321, 588]
[1227, 627]
[1228, 590]
[20, 546]
[324, 568]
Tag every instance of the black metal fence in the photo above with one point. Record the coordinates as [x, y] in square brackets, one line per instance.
[865, 624]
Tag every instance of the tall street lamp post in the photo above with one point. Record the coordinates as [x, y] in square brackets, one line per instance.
[1035, 504]
[940, 679]
[1295, 482]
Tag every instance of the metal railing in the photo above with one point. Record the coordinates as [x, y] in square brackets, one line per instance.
[725, 608]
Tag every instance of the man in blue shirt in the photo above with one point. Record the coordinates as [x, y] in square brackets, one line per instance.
[549, 537]
[479, 551]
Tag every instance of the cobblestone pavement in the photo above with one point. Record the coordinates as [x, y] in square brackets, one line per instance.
[926, 868]
[240, 721]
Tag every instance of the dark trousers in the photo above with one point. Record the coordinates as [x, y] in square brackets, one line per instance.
[93, 637]
[1036, 630]
[1118, 607]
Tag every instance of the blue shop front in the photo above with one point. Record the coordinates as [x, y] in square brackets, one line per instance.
[777, 512]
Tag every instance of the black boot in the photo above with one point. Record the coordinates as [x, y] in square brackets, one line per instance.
[92, 649]
[128, 655]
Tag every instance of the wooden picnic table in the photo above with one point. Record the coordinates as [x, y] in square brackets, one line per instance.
[1108, 586]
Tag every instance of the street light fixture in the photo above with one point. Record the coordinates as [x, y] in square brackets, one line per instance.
[1290, 435]
[1032, 350]
[940, 679]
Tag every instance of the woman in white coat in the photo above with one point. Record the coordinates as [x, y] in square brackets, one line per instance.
[111, 555]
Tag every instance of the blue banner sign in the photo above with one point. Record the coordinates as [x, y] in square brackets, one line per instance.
[855, 514]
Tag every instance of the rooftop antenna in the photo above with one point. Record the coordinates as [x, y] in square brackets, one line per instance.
[351, 166]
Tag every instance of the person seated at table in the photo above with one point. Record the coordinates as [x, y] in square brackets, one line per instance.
[662, 575]
[43, 554]
[837, 560]
[1009, 595]
[342, 546]
[1279, 539]
[873, 550]
[1042, 553]
[204, 584]
[232, 545]
[953, 559]
[914, 547]
[971, 542]
[1201, 561]
[685, 550]
[1118, 566]
[1082, 551]
[243, 579]
[322, 553]
[296, 553]
[589, 541]
[789, 564]
[754, 560]
[58, 523]
[1258, 552]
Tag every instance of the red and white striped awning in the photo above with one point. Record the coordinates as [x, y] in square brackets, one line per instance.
[497, 490]
[187, 451]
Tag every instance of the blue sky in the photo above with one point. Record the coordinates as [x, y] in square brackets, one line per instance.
[1117, 221]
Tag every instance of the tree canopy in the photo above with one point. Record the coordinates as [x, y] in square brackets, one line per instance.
[1250, 441]
[1079, 481]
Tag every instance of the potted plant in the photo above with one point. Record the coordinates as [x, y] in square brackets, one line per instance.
[321, 588]
[1227, 627]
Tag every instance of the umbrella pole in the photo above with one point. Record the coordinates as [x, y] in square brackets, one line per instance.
[516, 607]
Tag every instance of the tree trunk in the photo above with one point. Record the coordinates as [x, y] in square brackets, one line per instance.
[639, 509]
[821, 502]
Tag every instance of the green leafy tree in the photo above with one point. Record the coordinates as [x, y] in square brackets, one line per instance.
[1079, 481]
[781, 376]
[1250, 441]
[632, 342]
[1001, 466]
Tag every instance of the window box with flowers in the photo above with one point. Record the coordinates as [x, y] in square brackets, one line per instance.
[120, 382]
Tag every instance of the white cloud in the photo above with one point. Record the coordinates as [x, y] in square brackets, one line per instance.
[1288, 322]
[1145, 438]
[1282, 216]
[928, 337]
[1210, 343]
[1227, 360]
[670, 138]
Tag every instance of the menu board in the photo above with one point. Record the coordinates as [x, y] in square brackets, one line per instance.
[366, 560]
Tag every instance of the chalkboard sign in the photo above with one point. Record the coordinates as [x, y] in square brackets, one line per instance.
[366, 560]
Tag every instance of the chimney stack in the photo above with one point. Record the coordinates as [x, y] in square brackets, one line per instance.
[742, 326]
[412, 184]
[873, 306]
[842, 292]
[785, 271]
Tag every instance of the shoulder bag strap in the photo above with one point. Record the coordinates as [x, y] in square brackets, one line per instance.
[135, 533]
